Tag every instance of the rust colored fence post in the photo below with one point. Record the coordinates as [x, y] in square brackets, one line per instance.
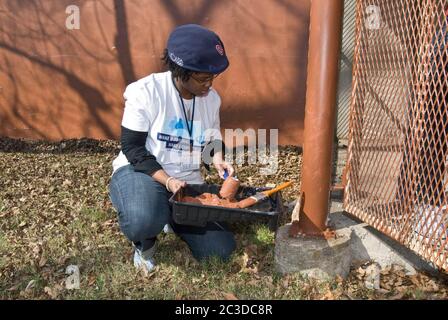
[322, 75]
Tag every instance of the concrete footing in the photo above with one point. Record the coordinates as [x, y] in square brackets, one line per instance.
[370, 245]
[356, 244]
[313, 257]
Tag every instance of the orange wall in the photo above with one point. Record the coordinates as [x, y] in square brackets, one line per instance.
[57, 83]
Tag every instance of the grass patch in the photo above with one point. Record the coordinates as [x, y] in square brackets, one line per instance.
[4, 248]
[63, 216]
[263, 236]
[94, 215]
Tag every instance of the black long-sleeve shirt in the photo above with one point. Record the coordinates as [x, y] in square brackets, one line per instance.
[133, 145]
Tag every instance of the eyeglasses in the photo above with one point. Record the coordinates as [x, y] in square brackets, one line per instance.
[206, 80]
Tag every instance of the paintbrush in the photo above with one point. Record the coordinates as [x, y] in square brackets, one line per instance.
[261, 196]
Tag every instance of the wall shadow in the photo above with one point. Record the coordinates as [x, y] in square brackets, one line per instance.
[88, 61]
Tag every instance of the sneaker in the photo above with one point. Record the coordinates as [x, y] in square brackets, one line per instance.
[167, 229]
[145, 259]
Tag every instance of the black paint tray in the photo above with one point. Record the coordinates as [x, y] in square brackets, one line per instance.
[194, 214]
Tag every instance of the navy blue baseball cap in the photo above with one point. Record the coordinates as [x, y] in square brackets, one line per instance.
[196, 48]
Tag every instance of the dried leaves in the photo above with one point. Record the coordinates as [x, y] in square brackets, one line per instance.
[392, 282]
[55, 212]
[52, 204]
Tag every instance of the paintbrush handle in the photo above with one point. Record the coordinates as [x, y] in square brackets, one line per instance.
[267, 193]
[250, 201]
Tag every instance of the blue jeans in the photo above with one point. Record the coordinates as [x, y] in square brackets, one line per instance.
[143, 210]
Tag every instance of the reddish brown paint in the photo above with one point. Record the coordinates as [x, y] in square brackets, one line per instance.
[323, 57]
[296, 231]
[227, 198]
[210, 199]
[229, 188]
[57, 83]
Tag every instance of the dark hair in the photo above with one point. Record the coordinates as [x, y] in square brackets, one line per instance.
[177, 71]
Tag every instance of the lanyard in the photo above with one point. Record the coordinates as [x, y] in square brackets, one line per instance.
[189, 125]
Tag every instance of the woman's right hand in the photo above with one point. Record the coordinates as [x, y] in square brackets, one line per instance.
[175, 184]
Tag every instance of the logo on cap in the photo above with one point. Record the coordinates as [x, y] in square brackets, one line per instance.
[176, 59]
[219, 49]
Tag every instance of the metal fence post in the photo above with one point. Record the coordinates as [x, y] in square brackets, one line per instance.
[323, 59]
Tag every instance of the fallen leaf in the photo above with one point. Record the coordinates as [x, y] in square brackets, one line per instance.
[253, 269]
[397, 297]
[251, 250]
[339, 279]
[328, 296]
[245, 260]
[30, 285]
[230, 296]
[348, 296]
[383, 291]
[402, 289]
[14, 287]
[415, 280]
[253, 282]
[43, 261]
[53, 292]
[36, 250]
[430, 286]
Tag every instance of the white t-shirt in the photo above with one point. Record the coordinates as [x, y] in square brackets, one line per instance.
[153, 104]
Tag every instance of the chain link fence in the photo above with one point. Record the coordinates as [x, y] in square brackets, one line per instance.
[398, 127]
